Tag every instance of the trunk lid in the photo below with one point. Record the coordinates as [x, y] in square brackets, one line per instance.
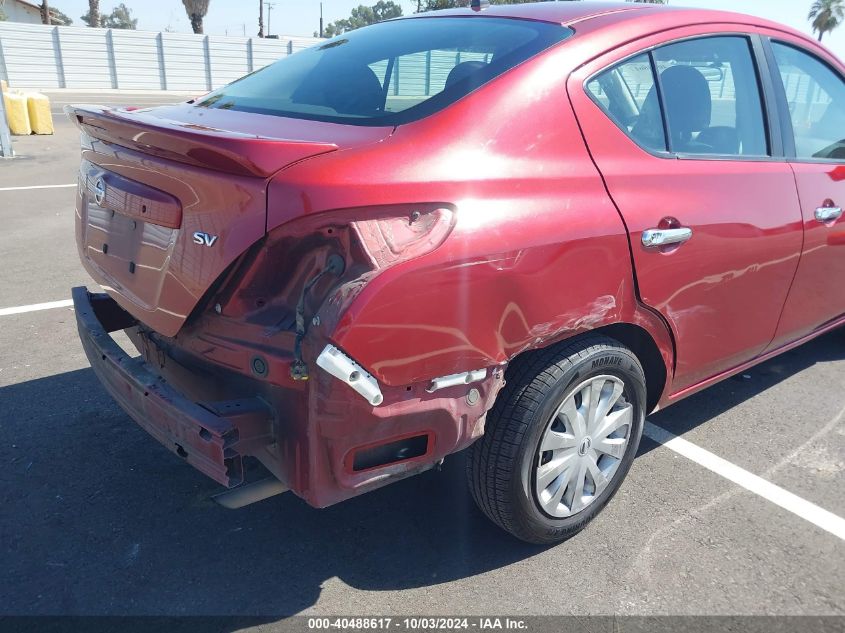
[169, 197]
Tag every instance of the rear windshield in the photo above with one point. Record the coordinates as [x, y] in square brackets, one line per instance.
[389, 73]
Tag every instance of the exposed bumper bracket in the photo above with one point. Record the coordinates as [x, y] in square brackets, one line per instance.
[207, 436]
[250, 493]
[347, 370]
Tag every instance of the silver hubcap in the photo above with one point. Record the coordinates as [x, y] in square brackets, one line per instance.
[582, 446]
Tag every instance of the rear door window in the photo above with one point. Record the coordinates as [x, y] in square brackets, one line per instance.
[627, 94]
[700, 96]
[712, 97]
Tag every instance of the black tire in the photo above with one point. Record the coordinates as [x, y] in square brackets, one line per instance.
[501, 464]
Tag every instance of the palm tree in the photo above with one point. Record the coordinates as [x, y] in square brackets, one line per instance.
[93, 17]
[826, 15]
[196, 10]
[45, 12]
[94, 13]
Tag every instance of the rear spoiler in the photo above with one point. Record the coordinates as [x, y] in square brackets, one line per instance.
[222, 150]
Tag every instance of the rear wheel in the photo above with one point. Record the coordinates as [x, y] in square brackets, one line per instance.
[560, 438]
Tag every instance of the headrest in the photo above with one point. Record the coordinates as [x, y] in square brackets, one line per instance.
[688, 100]
[462, 71]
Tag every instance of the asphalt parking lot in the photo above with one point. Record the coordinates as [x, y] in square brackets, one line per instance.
[97, 518]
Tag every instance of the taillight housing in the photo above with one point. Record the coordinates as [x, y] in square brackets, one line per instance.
[388, 240]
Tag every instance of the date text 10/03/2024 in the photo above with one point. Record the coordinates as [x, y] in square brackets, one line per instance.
[417, 624]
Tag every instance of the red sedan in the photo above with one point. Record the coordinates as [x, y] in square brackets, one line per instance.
[517, 229]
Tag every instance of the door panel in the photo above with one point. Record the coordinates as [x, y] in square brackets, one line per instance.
[723, 289]
[815, 96]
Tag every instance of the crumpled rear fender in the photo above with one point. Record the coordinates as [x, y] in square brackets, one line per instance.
[475, 303]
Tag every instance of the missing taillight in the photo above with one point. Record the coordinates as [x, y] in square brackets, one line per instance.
[303, 274]
[334, 267]
[268, 284]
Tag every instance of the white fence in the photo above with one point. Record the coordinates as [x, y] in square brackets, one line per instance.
[39, 56]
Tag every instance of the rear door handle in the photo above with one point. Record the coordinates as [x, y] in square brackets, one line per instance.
[828, 214]
[652, 238]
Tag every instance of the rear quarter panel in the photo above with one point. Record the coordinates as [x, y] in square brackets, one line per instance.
[538, 252]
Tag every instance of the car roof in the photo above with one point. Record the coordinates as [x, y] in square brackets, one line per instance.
[557, 12]
[572, 12]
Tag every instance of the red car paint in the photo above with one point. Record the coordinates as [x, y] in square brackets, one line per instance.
[515, 223]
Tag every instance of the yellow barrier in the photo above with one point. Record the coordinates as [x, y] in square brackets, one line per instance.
[16, 113]
[3, 85]
[40, 117]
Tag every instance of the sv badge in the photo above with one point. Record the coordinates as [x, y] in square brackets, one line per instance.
[204, 239]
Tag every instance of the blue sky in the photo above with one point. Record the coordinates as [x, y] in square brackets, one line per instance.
[301, 17]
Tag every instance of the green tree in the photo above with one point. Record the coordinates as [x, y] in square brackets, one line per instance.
[364, 16]
[826, 15]
[436, 5]
[92, 22]
[93, 9]
[3, 17]
[119, 18]
[57, 17]
[196, 10]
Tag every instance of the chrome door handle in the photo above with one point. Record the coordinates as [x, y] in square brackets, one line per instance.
[664, 237]
[828, 214]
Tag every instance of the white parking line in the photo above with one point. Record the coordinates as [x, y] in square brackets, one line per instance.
[64, 303]
[37, 187]
[800, 507]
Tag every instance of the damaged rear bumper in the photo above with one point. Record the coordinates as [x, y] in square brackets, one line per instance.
[320, 438]
[206, 435]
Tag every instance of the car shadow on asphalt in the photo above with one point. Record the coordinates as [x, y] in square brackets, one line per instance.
[99, 519]
[723, 396]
